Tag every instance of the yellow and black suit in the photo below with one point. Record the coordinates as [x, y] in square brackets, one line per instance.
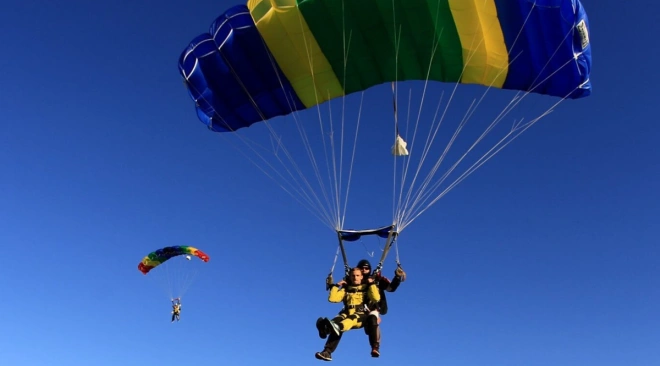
[358, 301]
[176, 311]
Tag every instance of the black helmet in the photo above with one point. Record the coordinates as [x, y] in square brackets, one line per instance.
[364, 263]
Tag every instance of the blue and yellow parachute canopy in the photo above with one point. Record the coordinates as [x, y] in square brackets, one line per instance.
[269, 58]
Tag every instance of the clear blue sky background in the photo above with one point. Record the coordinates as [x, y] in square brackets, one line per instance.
[547, 255]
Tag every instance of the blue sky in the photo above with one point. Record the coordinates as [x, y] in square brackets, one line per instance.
[546, 255]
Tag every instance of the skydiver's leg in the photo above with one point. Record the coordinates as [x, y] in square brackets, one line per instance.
[334, 326]
[332, 342]
[353, 321]
[372, 329]
[330, 346]
[324, 327]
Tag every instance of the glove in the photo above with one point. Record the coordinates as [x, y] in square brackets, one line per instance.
[399, 272]
[329, 281]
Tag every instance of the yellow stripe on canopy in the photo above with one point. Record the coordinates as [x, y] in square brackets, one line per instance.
[485, 56]
[295, 49]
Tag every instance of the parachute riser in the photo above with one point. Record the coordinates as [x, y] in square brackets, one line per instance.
[329, 281]
[391, 238]
[392, 235]
[347, 267]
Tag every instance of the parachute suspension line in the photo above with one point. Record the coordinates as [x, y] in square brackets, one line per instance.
[515, 127]
[391, 238]
[188, 281]
[399, 148]
[429, 141]
[427, 145]
[305, 138]
[337, 185]
[350, 171]
[370, 254]
[173, 278]
[319, 208]
[184, 275]
[462, 124]
[346, 48]
[318, 213]
[331, 218]
[406, 164]
[312, 208]
[335, 215]
[396, 132]
[517, 130]
[338, 215]
[434, 47]
[169, 286]
[396, 122]
[420, 191]
[518, 127]
[482, 160]
[338, 180]
[281, 145]
[299, 190]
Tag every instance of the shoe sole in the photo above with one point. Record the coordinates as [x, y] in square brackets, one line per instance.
[319, 357]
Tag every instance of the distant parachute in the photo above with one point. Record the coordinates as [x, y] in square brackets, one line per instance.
[154, 259]
[177, 273]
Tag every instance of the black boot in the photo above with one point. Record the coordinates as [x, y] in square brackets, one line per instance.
[322, 328]
[323, 355]
[373, 331]
[375, 350]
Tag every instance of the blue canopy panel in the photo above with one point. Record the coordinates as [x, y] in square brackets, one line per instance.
[232, 76]
[354, 235]
[550, 28]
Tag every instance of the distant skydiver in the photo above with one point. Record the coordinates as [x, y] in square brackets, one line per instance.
[176, 309]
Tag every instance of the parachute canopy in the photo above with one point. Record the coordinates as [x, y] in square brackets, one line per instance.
[271, 58]
[154, 259]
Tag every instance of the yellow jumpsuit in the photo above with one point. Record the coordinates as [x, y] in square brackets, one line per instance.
[357, 303]
[176, 311]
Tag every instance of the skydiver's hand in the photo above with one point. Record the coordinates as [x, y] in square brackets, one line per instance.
[341, 283]
[370, 280]
[400, 274]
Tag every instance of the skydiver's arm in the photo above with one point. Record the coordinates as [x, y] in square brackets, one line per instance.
[396, 281]
[336, 294]
[383, 282]
[373, 293]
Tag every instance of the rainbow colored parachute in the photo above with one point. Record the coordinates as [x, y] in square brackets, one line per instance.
[272, 57]
[154, 259]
